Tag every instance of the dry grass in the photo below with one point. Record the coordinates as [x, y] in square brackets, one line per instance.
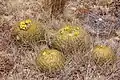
[17, 62]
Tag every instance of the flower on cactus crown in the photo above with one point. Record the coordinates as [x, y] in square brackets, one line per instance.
[24, 25]
[71, 31]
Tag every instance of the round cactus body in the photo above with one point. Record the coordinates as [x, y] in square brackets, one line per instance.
[71, 37]
[28, 31]
[103, 54]
[50, 60]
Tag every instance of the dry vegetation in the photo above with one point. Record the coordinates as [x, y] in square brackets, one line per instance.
[101, 18]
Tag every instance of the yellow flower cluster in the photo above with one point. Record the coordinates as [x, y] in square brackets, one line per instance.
[71, 31]
[24, 25]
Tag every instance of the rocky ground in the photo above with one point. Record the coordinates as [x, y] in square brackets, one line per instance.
[101, 18]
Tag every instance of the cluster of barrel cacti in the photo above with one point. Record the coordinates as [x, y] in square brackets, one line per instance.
[66, 39]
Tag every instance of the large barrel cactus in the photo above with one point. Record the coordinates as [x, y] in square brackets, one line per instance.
[28, 31]
[50, 60]
[70, 38]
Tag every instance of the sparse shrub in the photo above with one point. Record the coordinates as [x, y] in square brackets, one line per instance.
[103, 54]
[70, 38]
[50, 60]
[28, 31]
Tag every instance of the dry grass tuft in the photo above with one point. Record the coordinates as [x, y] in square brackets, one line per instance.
[56, 7]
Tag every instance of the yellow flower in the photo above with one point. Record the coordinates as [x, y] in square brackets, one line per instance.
[67, 28]
[28, 21]
[24, 25]
[77, 28]
[76, 33]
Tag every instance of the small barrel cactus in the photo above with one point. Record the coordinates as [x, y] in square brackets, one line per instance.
[28, 31]
[71, 37]
[103, 54]
[50, 60]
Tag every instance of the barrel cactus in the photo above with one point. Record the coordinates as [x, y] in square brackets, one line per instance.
[69, 38]
[50, 60]
[103, 54]
[28, 31]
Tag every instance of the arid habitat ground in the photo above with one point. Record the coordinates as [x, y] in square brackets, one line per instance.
[100, 18]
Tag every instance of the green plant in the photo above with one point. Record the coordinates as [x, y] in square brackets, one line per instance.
[50, 60]
[28, 31]
[71, 37]
[103, 54]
